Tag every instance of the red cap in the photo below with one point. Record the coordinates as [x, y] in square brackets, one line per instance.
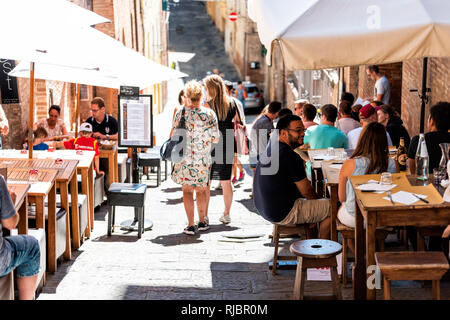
[367, 111]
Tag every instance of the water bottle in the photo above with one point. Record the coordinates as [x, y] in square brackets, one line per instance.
[422, 160]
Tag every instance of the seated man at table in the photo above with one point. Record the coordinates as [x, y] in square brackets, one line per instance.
[84, 142]
[38, 141]
[20, 253]
[325, 135]
[370, 156]
[104, 126]
[282, 193]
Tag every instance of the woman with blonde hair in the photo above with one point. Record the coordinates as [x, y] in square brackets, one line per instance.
[193, 171]
[223, 153]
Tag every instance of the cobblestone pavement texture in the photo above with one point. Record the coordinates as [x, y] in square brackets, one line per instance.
[192, 30]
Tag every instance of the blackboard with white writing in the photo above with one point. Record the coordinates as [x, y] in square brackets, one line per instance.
[8, 84]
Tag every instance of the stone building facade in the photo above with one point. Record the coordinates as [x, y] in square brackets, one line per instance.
[139, 24]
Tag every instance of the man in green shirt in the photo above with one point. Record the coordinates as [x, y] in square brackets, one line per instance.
[325, 135]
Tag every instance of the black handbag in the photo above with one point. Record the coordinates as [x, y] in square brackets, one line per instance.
[168, 146]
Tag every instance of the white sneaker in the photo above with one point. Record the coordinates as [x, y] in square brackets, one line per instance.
[225, 219]
[219, 186]
[206, 219]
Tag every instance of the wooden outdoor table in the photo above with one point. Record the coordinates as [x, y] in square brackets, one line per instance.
[113, 167]
[66, 175]
[316, 165]
[21, 204]
[85, 168]
[331, 176]
[375, 211]
[45, 186]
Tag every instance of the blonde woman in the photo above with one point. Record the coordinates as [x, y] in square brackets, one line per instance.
[193, 171]
[223, 154]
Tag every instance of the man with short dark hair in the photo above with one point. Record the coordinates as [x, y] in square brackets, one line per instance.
[346, 123]
[349, 97]
[438, 127]
[308, 115]
[260, 133]
[282, 192]
[325, 135]
[381, 90]
[104, 126]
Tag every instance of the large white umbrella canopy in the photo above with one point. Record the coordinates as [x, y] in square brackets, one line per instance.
[319, 34]
[110, 64]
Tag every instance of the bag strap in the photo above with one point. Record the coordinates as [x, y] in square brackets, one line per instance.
[182, 123]
[238, 112]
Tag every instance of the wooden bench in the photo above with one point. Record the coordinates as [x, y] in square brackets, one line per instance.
[285, 231]
[316, 253]
[410, 265]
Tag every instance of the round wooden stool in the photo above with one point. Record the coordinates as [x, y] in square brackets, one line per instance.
[316, 253]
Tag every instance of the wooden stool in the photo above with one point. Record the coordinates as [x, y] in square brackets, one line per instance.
[316, 253]
[126, 195]
[410, 265]
[285, 231]
[349, 233]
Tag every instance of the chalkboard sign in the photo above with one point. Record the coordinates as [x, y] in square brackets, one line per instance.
[8, 84]
[129, 92]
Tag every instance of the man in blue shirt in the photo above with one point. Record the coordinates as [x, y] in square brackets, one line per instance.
[280, 184]
[325, 135]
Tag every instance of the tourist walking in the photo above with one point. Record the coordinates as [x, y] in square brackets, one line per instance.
[223, 152]
[193, 171]
[241, 93]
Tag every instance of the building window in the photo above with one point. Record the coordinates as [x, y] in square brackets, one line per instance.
[84, 92]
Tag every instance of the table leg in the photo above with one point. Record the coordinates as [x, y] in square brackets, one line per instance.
[91, 193]
[64, 191]
[74, 211]
[23, 214]
[85, 190]
[116, 166]
[110, 169]
[51, 262]
[359, 283]
[334, 210]
[40, 218]
[370, 250]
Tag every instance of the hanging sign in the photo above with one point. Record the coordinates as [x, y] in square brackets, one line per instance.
[8, 84]
[233, 16]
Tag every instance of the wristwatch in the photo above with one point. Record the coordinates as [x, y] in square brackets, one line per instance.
[107, 136]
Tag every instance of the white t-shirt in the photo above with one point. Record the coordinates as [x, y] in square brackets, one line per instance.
[353, 137]
[347, 124]
[382, 87]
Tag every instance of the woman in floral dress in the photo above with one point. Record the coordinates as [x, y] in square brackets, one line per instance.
[193, 171]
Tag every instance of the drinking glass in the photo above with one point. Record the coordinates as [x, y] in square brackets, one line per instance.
[386, 178]
[33, 175]
[330, 151]
[439, 175]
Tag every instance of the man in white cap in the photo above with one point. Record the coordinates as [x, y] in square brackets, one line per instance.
[84, 142]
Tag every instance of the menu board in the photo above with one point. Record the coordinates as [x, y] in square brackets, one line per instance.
[135, 121]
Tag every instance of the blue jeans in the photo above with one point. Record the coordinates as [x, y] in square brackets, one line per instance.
[25, 255]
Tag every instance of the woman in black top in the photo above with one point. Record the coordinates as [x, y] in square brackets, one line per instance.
[223, 152]
[389, 118]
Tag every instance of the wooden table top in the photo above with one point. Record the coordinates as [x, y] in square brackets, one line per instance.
[85, 159]
[20, 190]
[374, 201]
[315, 152]
[45, 181]
[65, 169]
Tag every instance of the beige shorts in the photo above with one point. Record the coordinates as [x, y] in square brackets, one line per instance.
[308, 211]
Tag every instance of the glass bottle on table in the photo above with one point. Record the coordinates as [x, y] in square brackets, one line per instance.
[422, 159]
[401, 155]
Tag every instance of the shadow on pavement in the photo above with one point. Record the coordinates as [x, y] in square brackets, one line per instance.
[167, 190]
[130, 236]
[248, 203]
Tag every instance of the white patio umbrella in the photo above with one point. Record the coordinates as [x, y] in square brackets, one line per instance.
[43, 37]
[319, 34]
[103, 65]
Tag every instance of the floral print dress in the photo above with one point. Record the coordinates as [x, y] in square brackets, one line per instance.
[201, 129]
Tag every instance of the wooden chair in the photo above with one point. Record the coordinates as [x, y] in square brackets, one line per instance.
[348, 233]
[316, 253]
[412, 265]
[285, 231]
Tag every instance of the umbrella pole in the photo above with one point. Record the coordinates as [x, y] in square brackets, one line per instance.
[424, 96]
[111, 101]
[31, 113]
[77, 110]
